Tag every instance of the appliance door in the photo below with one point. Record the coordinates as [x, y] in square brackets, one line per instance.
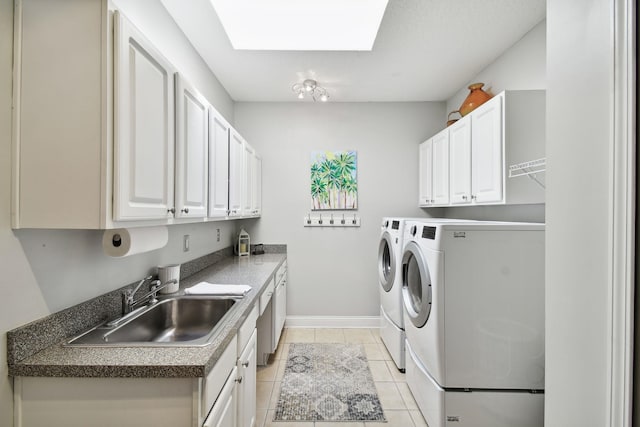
[416, 285]
[386, 261]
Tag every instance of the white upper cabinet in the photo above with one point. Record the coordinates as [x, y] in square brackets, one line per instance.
[460, 161]
[192, 148]
[487, 165]
[509, 129]
[236, 171]
[252, 181]
[106, 135]
[440, 167]
[144, 127]
[256, 192]
[248, 172]
[219, 131]
[434, 170]
[425, 171]
[63, 126]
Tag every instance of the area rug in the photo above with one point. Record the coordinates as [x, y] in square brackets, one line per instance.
[328, 382]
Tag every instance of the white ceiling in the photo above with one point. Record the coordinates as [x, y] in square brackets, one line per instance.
[426, 50]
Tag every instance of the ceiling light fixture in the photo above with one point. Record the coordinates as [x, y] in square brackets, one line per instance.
[310, 88]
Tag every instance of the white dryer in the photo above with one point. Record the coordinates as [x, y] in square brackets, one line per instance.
[474, 321]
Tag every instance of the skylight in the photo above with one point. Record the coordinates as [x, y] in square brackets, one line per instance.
[301, 24]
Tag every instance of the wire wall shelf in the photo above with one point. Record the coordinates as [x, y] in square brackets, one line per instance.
[530, 169]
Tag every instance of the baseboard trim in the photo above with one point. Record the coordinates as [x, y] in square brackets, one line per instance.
[332, 322]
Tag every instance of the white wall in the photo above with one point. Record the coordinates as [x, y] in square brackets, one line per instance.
[522, 66]
[333, 272]
[44, 271]
[579, 199]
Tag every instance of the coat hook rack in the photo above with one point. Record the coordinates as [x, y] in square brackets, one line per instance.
[331, 220]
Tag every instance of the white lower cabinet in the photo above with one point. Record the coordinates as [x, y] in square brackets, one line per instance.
[273, 312]
[281, 298]
[247, 383]
[132, 402]
[223, 413]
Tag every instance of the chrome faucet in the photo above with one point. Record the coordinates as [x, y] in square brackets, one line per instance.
[127, 296]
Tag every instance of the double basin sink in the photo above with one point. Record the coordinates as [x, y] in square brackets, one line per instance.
[176, 321]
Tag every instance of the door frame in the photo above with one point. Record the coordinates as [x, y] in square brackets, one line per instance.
[622, 217]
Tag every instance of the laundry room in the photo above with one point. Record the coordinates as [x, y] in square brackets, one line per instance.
[329, 261]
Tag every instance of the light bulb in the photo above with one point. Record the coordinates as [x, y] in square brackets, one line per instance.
[324, 97]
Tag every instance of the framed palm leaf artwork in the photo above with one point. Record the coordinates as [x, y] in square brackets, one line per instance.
[334, 183]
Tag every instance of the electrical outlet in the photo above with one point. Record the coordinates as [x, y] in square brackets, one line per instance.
[185, 247]
[217, 234]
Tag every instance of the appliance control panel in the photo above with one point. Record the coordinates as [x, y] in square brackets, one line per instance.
[429, 232]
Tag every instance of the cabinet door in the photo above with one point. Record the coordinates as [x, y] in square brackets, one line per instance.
[223, 413]
[281, 309]
[440, 162]
[192, 146]
[247, 384]
[218, 165]
[256, 191]
[425, 185]
[248, 166]
[486, 152]
[236, 151]
[460, 161]
[144, 127]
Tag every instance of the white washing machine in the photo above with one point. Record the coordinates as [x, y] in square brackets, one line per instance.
[390, 279]
[474, 320]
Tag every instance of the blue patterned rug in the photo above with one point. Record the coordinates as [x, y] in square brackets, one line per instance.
[328, 382]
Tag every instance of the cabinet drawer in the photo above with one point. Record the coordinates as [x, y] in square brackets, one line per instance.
[267, 294]
[216, 379]
[282, 272]
[247, 328]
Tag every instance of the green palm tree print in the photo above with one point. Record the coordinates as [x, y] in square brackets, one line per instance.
[333, 180]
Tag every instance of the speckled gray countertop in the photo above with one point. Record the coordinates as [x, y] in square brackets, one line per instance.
[67, 361]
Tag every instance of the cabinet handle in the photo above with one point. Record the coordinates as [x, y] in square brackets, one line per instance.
[185, 210]
[245, 364]
[473, 197]
[464, 197]
[171, 211]
[239, 380]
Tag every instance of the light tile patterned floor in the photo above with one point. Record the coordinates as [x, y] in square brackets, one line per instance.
[397, 402]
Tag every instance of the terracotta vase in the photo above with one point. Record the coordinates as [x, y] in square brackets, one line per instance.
[476, 98]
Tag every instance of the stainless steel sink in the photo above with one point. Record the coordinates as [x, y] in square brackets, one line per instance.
[177, 321]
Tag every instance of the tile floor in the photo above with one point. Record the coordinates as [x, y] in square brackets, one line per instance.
[397, 402]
